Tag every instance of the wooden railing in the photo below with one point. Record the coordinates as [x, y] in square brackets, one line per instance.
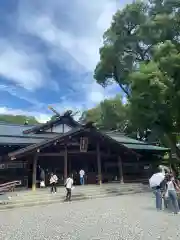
[9, 186]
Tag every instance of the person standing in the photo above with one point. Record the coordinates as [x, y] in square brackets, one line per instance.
[156, 183]
[158, 195]
[171, 191]
[53, 182]
[69, 185]
[81, 174]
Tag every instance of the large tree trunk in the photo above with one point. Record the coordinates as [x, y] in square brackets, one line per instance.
[168, 139]
[172, 144]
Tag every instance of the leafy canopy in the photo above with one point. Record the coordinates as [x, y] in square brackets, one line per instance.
[141, 53]
[110, 114]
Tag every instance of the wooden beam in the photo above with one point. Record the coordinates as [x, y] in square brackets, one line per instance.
[34, 172]
[120, 170]
[99, 164]
[61, 154]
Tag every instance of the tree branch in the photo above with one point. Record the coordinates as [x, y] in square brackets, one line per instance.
[117, 80]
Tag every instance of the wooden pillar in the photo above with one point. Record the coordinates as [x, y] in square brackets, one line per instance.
[34, 170]
[69, 167]
[120, 170]
[99, 164]
[65, 163]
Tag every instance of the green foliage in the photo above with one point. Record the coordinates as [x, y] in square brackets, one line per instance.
[156, 88]
[110, 114]
[54, 117]
[17, 119]
[141, 53]
[134, 32]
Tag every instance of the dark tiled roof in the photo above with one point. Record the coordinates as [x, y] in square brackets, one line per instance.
[75, 131]
[60, 138]
[133, 143]
[146, 147]
[124, 139]
[30, 139]
[13, 129]
[18, 140]
[13, 134]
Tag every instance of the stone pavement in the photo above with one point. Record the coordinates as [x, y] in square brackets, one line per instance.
[129, 217]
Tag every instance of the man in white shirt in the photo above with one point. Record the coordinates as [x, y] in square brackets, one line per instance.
[68, 185]
[53, 181]
[81, 174]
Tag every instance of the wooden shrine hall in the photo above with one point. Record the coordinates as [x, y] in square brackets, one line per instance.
[65, 146]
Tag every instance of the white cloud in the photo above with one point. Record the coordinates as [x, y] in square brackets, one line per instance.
[39, 116]
[25, 69]
[98, 94]
[72, 34]
[90, 18]
[80, 39]
[19, 93]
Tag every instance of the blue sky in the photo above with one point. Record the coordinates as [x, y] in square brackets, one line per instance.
[48, 51]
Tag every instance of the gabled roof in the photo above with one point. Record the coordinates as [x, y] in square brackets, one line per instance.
[121, 143]
[66, 119]
[43, 144]
[61, 138]
[12, 134]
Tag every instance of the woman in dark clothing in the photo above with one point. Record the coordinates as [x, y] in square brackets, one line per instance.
[42, 175]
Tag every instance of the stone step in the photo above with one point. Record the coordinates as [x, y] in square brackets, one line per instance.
[43, 196]
[77, 191]
[59, 199]
[74, 193]
[86, 189]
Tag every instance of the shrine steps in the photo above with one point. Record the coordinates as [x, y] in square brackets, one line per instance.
[43, 196]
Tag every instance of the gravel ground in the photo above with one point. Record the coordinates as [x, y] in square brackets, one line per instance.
[122, 218]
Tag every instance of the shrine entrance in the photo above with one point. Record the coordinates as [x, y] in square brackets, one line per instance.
[102, 158]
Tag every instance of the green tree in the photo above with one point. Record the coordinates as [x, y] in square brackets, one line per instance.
[141, 54]
[92, 115]
[110, 114]
[130, 39]
[54, 117]
[156, 92]
[18, 119]
[113, 113]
